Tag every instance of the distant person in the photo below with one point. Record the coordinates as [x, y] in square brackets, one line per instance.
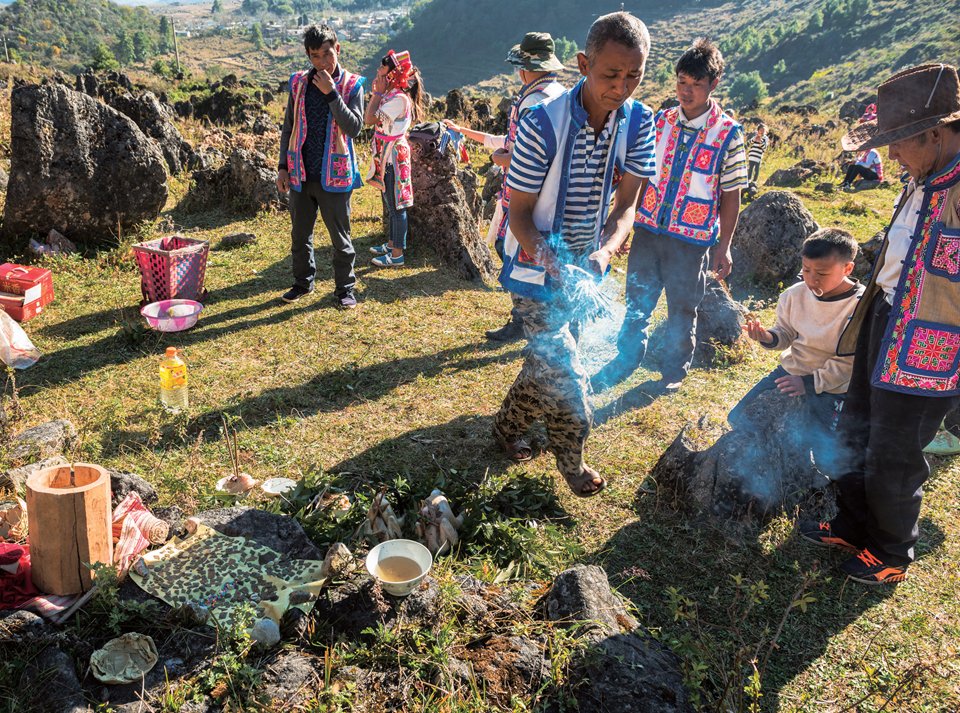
[317, 160]
[869, 114]
[868, 166]
[567, 217]
[536, 67]
[395, 105]
[758, 146]
[904, 334]
[810, 316]
[686, 215]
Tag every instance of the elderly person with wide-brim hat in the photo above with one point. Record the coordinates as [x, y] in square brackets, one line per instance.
[905, 332]
[537, 64]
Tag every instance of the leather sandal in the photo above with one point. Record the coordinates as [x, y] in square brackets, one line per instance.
[519, 450]
[577, 482]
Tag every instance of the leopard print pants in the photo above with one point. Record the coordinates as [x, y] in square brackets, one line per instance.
[552, 386]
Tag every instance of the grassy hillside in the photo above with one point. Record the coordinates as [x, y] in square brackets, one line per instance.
[829, 48]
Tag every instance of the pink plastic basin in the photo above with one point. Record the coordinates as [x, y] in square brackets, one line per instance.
[172, 315]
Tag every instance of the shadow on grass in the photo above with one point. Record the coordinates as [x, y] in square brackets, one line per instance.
[325, 392]
[680, 572]
[640, 396]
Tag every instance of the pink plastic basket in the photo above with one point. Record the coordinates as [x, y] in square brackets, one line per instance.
[172, 268]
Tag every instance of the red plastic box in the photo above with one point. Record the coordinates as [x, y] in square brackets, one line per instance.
[24, 290]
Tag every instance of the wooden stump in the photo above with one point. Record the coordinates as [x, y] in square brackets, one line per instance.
[69, 526]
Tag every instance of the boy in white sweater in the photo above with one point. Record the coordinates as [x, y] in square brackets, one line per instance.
[810, 317]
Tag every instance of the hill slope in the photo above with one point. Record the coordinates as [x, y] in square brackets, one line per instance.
[828, 48]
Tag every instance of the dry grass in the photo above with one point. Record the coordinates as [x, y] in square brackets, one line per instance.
[404, 388]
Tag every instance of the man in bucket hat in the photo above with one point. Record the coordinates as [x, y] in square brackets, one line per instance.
[905, 332]
[536, 66]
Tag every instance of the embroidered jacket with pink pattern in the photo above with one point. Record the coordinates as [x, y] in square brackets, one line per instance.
[920, 352]
[339, 167]
[684, 201]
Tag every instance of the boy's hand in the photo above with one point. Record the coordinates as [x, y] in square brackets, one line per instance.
[602, 258]
[756, 332]
[283, 180]
[791, 385]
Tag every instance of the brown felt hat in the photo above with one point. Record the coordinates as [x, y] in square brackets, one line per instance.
[908, 104]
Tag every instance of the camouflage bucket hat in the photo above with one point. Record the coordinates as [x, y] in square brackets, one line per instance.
[535, 53]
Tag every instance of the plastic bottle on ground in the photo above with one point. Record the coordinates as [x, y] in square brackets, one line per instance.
[173, 381]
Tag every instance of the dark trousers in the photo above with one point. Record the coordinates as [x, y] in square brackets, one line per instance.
[397, 217]
[657, 263]
[856, 171]
[819, 426]
[334, 209]
[886, 432]
[753, 171]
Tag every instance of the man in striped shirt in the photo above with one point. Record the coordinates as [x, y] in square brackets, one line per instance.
[569, 155]
[689, 212]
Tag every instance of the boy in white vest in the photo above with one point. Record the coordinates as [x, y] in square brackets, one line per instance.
[317, 161]
[568, 155]
[689, 211]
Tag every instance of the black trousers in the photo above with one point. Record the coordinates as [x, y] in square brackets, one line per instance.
[334, 209]
[660, 263]
[886, 432]
[753, 171]
[856, 171]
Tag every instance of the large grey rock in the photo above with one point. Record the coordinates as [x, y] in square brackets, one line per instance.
[80, 167]
[14, 478]
[48, 439]
[719, 329]
[766, 244]
[154, 119]
[51, 679]
[23, 627]
[582, 595]
[794, 176]
[867, 256]
[245, 183]
[445, 210]
[751, 472]
[278, 532]
[122, 484]
[620, 668]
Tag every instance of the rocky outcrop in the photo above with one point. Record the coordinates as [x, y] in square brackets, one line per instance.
[445, 212]
[246, 183]
[766, 244]
[758, 469]
[794, 176]
[79, 166]
[154, 119]
[621, 668]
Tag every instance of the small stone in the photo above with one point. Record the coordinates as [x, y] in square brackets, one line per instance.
[825, 188]
[265, 633]
[236, 240]
[122, 484]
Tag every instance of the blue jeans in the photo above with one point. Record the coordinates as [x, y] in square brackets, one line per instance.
[822, 414]
[397, 218]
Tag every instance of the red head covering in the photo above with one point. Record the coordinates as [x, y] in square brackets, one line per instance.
[401, 69]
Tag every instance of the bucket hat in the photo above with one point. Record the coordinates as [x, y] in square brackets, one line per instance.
[908, 104]
[535, 53]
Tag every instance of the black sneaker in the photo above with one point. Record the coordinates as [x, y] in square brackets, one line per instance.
[347, 300]
[295, 293]
[821, 533]
[509, 332]
[866, 568]
[666, 385]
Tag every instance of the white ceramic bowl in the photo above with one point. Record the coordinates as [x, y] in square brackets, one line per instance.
[400, 548]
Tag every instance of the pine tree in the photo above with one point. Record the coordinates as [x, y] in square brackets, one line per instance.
[103, 58]
[142, 46]
[256, 32]
[217, 7]
[124, 51]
